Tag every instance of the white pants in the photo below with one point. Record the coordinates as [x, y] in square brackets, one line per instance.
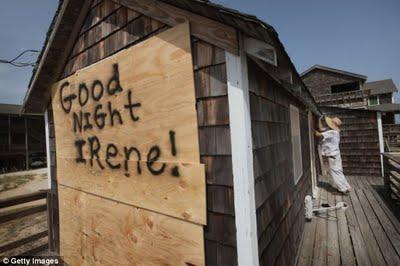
[336, 172]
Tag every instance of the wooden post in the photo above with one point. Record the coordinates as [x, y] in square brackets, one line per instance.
[26, 145]
[242, 159]
[9, 133]
[381, 143]
[48, 155]
[50, 221]
[386, 173]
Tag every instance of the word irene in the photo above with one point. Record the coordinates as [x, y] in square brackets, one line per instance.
[111, 151]
[84, 120]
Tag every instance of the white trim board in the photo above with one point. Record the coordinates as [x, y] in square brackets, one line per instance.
[381, 143]
[47, 135]
[242, 159]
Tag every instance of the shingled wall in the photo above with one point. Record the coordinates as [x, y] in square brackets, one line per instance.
[279, 201]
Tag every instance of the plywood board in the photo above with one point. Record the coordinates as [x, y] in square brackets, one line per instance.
[132, 189]
[97, 231]
[182, 197]
[158, 75]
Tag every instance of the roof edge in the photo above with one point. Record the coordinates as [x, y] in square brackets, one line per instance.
[334, 70]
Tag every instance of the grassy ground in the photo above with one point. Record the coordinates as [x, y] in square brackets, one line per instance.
[12, 182]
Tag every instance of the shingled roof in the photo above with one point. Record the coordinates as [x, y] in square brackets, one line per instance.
[380, 86]
[71, 13]
[334, 70]
[13, 109]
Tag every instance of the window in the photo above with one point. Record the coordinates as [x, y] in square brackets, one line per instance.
[296, 143]
[352, 86]
[373, 100]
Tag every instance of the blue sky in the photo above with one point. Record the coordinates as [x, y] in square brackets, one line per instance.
[361, 36]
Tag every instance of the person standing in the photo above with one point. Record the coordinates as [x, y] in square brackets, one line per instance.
[329, 134]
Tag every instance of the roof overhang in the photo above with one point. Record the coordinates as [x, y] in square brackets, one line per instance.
[334, 70]
[70, 17]
[59, 42]
[386, 108]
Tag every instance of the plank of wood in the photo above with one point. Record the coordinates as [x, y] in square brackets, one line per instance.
[389, 209]
[360, 252]
[345, 246]
[371, 244]
[23, 241]
[12, 201]
[321, 235]
[218, 34]
[307, 246]
[333, 237]
[34, 251]
[159, 74]
[98, 231]
[383, 241]
[22, 213]
[392, 233]
[182, 197]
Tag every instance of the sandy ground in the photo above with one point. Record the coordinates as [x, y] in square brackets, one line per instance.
[39, 182]
[29, 225]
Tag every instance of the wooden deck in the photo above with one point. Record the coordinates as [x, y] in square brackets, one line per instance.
[367, 233]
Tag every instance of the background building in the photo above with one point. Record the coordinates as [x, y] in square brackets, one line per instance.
[22, 139]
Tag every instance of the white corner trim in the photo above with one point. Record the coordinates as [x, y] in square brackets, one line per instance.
[242, 159]
[47, 132]
[381, 143]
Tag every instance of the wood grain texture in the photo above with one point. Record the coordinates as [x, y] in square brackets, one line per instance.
[161, 80]
[278, 200]
[95, 203]
[212, 112]
[111, 233]
[182, 197]
[359, 142]
[218, 34]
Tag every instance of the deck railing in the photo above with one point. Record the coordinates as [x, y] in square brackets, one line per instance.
[11, 215]
[392, 174]
[391, 133]
[344, 99]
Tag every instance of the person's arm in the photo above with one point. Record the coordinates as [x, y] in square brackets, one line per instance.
[318, 134]
[320, 124]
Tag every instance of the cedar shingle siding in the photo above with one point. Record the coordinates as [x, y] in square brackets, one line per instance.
[279, 202]
[319, 82]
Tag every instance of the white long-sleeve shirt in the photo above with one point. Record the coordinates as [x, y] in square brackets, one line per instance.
[330, 143]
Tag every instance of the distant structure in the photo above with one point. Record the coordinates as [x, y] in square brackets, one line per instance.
[338, 88]
[22, 139]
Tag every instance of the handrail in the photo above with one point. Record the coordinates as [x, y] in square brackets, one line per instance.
[392, 174]
[7, 216]
[12, 201]
[392, 157]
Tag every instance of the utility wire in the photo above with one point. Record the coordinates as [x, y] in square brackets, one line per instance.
[16, 63]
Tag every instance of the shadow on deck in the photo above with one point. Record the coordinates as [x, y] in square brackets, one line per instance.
[367, 233]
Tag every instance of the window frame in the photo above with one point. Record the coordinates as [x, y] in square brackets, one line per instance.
[377, 100]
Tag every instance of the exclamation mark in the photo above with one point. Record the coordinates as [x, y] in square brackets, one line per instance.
[175, 169]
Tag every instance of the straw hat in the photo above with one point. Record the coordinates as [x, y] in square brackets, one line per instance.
[334, 122]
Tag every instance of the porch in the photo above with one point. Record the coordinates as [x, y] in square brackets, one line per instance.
[367, 233]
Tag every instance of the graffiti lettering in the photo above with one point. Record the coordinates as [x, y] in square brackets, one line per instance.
[106, 114]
